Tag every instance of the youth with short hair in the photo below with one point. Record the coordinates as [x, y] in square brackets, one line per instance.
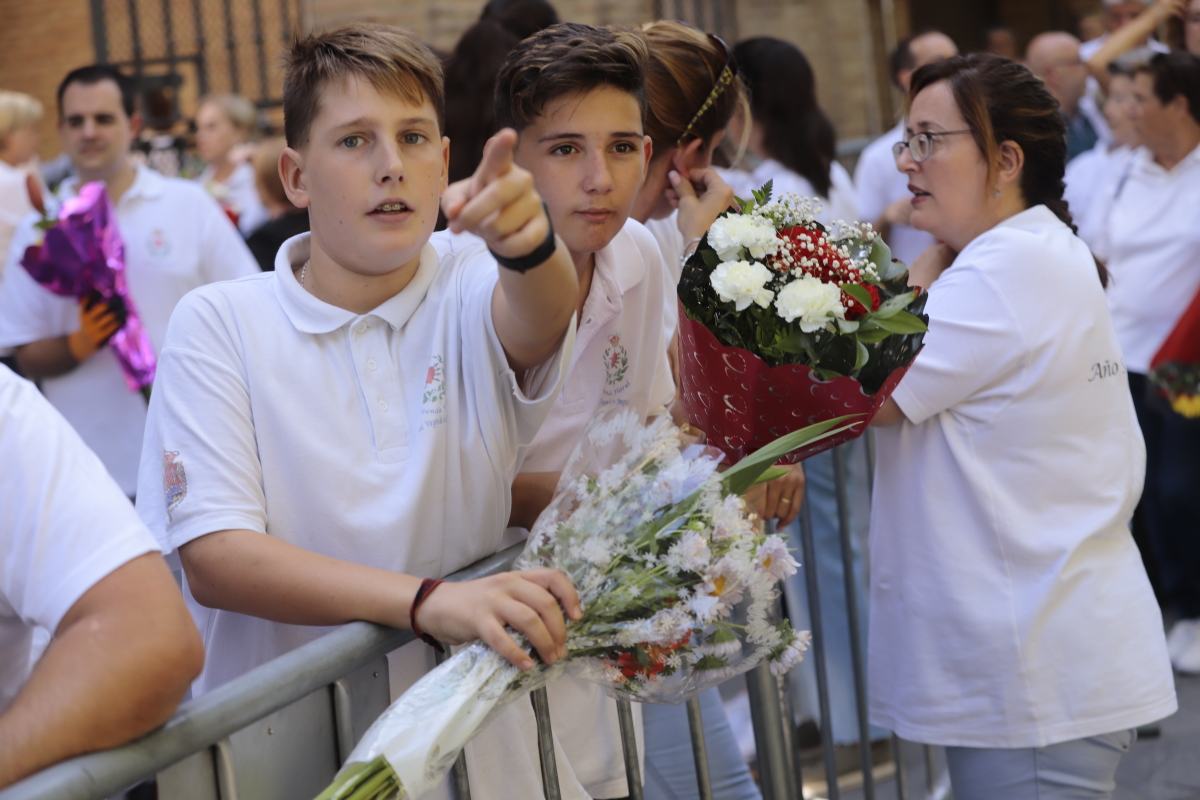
[328, 439]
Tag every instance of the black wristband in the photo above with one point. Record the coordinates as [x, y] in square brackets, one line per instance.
[540, 253]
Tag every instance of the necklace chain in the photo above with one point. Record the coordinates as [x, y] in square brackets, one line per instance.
[303, 274]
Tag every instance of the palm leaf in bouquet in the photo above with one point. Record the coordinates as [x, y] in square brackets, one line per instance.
[677, 579]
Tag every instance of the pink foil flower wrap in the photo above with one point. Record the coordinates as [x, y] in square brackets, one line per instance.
[742, 403]
[83, 253]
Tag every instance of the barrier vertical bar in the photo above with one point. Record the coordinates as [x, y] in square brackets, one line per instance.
[856, 655]
[633, 770]
[545, 740]
[814, 612]
[699, 748]
[896, 757]
[778, 782]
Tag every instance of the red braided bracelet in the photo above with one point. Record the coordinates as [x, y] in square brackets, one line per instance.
[426, 588]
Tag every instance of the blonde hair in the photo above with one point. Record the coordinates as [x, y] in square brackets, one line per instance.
[16, 111]
[240, 112]
[266, 170]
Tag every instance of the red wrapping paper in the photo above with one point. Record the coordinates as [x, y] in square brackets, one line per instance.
[1183, 343]
[742, 403]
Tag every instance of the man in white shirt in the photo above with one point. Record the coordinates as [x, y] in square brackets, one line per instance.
[1152, 246]
[883, 196]
[76, 562]
[176, 238]
[1117, 14]
[328, 439]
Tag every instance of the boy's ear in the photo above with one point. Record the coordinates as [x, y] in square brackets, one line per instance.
[291, 175]
[648, 148]
[445, 162]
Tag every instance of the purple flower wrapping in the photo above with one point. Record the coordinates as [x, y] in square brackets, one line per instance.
[83, 253]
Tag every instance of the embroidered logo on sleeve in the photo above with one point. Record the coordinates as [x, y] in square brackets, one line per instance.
[174, 480]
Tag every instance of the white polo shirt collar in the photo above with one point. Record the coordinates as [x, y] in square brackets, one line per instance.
[311, 315]
[147, 185]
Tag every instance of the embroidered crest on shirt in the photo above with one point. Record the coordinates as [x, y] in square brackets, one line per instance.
[616, 366]
[433, 397]
[174, 480]
[157, 244]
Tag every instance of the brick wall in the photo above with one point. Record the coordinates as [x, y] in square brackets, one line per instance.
[39, 43]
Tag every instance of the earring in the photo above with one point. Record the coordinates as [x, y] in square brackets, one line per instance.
[995, 193]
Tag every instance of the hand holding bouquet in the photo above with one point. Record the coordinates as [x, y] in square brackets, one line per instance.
[81, 255]
[788, 322]
[677, 582]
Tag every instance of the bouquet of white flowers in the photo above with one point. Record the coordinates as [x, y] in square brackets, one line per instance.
[678, 584]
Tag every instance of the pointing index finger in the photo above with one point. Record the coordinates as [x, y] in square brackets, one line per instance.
[497, 158]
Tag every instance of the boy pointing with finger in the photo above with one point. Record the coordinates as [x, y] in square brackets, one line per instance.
[327, 439]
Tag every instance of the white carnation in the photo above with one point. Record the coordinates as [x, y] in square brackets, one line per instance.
[742, 283]
[729, 234]
[813, 302]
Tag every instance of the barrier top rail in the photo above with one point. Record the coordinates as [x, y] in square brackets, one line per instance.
[203, 722]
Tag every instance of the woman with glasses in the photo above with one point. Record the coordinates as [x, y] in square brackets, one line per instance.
[691, 93]
[1012, 620]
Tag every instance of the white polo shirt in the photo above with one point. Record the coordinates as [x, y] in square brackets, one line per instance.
[878, 184]
[176, 238]
[1151, 243]
[388, 438]
[1009, 604]
[64, 525]
[1090, 177]
[620, 360]
[841, 203]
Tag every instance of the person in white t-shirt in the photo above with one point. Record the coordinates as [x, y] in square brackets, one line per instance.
[77, 563]
[1151, 243]
[225, 124]
[1012, 620]
[327, 440]
[1092, 176]
[881, 189]
[175, 239]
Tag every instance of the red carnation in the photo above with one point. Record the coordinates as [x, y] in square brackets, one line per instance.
[854, 309]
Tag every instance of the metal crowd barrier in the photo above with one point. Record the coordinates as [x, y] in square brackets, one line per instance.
[283, 729]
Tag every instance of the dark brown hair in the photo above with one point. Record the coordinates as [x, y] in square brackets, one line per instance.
[1002, 101]
[391, 59]
[470, 83]
[563, 59]
[1176, 73]
[682, 69]
[783, 102]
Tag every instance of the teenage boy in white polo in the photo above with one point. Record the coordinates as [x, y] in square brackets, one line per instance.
[325, 436]
[77, 562]
[575, 93]
[176, 238]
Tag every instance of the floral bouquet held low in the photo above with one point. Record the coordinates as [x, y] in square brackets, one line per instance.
[787, 322]
[81, 256]
[677, 581]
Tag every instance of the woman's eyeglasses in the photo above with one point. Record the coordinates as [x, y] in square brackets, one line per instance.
[920, 145]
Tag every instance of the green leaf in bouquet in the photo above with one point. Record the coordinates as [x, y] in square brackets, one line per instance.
[746, 205]
[893, 304]
[770, 475]
[862, 357]
[901, 322]
[871, 333]
[710, 662]
[763, 196]
[742, 475]
[858, 293]
[887, 267]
